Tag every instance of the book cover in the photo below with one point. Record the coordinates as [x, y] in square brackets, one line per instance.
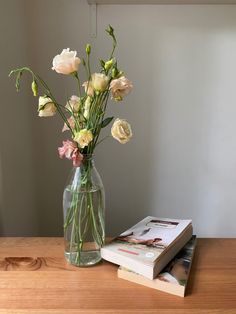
[148, 239]
[174, 277]
[149, 245]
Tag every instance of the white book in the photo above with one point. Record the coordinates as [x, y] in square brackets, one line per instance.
[173, 278]
[147, 247]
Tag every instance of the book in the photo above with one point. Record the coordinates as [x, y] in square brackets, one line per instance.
[147, 247]
[174, 277]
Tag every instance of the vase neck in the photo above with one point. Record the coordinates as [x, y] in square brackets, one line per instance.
[88, 157]
[88, 160]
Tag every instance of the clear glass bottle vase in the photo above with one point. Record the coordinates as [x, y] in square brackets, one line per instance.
[84, 209]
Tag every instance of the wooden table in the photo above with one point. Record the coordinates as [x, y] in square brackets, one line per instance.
[35, 279]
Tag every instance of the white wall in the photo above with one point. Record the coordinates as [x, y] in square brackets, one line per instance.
[52, 26]
[17, 204]
[182, 159]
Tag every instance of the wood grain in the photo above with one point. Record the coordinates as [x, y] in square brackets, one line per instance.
[35, 279]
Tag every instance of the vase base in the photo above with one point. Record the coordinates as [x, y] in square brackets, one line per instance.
[86, 259]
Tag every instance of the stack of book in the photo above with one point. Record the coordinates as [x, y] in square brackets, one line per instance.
[156, 252]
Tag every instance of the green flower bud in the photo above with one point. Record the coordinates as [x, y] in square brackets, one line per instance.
[34, 87]
[121, 73]
[114, 73]
[102, 63]
[108, 64]
[88, 49]
[110, 30]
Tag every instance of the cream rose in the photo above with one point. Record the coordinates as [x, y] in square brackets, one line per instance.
[121, 131]
[83, 137]
[88, 88]
[100, 81]
[46, 107]
[120, 87]
[74, 104]
[66, 62]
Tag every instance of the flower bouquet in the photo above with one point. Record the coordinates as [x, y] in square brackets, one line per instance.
[84, 118]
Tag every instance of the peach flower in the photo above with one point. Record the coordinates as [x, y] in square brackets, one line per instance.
[74, 104]
[120, 87]
[88, 88]
[66, 62]
[71, 122]
[100, 81]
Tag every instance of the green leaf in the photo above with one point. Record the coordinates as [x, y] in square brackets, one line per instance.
[106, 122]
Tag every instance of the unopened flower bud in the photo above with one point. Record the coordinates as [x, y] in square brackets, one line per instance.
[121, 73]
[108, 64]
[34, 87]
[114, 73]
[88, 49]
[110, 30]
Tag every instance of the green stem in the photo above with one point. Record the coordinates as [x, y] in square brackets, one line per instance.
[100, 123]
[79, 239]
[78, 80]
[47, 91]
[99, 142]
[94, 230]
[89, 70]
[72, 240]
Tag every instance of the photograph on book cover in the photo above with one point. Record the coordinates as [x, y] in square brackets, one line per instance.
[152, 232]
[178, 269]
[173, 278]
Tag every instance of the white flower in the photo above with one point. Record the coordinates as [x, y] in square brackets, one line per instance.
[87, 105]
[83, 137]
[46, 107]
[88, 88]
[74, 104]
[121, 131]
[120, 87]
[100, 81]
[66, 62]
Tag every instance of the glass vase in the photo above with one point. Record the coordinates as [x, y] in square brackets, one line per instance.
[84, 209]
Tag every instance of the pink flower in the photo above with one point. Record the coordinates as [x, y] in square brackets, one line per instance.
[70, 151]
[67, 149]
[71, 122]
[77, 158]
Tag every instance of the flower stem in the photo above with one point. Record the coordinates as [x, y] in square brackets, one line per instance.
[78, 80]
